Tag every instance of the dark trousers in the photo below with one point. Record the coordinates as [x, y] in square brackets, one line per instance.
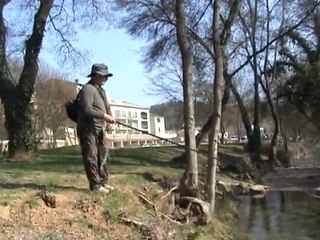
[95, 155]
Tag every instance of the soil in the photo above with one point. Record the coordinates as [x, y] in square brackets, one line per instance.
[73, 218]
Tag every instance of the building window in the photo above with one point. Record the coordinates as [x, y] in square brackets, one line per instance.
[123, 114]
[135, 115]
[129, 114]
[144, 115]
[144, 124]
[118, 114]
[158, 120]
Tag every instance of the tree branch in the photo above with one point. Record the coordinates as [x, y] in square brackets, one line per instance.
[6, 80]
[33, 46]
[283, 34]
[228, 23]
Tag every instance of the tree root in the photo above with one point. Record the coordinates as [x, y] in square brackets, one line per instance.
[187, 206]
[198, 209]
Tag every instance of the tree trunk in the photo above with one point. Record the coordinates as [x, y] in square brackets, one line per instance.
[19, 127]
[245, 118]
[190, 177]
[205, 129]
[217, 107]
[18, 110]
[256, 121]
[274, 142]
[266, 88]
[225, 99]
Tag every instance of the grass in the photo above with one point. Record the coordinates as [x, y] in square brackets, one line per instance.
[81, 214]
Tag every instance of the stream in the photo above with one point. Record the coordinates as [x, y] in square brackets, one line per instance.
[291, 210]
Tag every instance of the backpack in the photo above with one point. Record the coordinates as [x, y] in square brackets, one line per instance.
[72, 108]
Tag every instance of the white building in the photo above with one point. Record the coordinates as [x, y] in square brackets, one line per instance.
[130, 114]
[157, 125]
[140, 118]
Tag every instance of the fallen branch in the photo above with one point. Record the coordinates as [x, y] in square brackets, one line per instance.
[170, 191]
[134, 222]
[148, 200]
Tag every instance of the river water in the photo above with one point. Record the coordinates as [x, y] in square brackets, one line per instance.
[279, 215]
[290, 212]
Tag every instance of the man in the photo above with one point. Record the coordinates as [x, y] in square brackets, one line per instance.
[94, 116]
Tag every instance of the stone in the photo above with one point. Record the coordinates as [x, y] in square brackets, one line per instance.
[4, 212]
[258, 190]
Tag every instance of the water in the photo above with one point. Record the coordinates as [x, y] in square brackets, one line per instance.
[281, 215]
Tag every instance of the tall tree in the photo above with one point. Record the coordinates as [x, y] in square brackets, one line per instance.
[218, 88]
[190, 177]
[270, 76]
[16, 96]
[251, 30]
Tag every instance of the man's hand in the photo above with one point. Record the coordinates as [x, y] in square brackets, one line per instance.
[108, 118]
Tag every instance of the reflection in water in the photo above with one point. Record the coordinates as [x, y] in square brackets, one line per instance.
[281, 215]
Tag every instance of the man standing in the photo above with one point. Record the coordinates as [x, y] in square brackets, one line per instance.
[94, 116]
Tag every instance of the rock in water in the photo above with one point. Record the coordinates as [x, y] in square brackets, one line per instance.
[258, 190]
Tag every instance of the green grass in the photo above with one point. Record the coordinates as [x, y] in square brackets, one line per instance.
[61, 172]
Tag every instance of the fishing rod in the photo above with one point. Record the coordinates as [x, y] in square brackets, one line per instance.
[153, 135]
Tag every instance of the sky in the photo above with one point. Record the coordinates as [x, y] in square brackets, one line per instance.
[112, 46]
[122, 54]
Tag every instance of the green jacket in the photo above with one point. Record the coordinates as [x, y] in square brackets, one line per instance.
[93, 104]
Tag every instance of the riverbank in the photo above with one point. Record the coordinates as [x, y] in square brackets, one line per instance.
[141, 177]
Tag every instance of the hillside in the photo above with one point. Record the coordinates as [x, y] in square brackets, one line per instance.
[172, 111]
[81, 214]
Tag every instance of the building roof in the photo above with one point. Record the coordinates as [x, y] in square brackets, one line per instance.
[126, 104]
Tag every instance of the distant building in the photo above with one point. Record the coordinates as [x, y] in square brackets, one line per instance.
[157, 125]
[138, 117]
[130, 114]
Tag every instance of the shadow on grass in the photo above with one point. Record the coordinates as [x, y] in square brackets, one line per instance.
[69, 160]
[141, 161]
[62, 161]
[156, 177]
[64, 164]
[40, 186]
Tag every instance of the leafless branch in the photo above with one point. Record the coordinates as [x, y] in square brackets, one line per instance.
[280, 36]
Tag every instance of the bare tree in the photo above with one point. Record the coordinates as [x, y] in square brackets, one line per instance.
[190, 177]
[51, 96]
[16, 96]
[270, 78]
[251, 30]
[218, 88]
